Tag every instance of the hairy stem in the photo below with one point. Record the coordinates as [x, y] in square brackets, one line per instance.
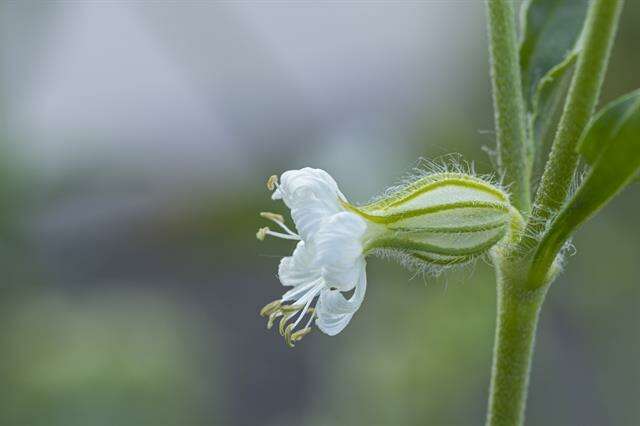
[508, 101]
[599, 31]
[520, 299]
[516, 323]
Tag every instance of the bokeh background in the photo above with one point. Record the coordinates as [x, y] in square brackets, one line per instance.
[136, 141]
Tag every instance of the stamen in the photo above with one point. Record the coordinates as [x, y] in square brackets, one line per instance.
[298, 335]
[281, 235]
[270, 307]
[280, 310]
[279, 220]
[262, 233]
[303, 288]
[306, 307]
[272, 182]
[287, 309]
[312, 315]
[276, 309]
[272, 216]
[287, 335]
[283, 322]
[272, 318]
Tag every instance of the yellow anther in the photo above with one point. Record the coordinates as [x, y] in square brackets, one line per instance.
[270, 307]
[298, 335]
[272, 216]
[290, 308]
[283, 322]
[272, 182]
[287, 335]
[276, 310]
[272, 318]
[262, 233]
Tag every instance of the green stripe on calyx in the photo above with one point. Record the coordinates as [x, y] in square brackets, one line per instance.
[455, 182]
[412, 245]
[431, 182]
[444, 229]
[395, 217]
[441, 219]
[441, 260]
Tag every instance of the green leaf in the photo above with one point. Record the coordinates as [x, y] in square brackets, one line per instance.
[606, 125]
[548, 52]
[547, 103]
[551, 29]
[611, 147]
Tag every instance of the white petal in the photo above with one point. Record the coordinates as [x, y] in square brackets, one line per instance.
[298, 269]
[333, 324]
[312, 195]
[333, 301]
[293, 184]
[334, 311]
[338, 249]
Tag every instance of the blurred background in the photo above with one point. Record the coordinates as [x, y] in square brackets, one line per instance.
[136, 141]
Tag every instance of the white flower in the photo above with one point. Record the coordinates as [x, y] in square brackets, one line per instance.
[434, 222]
[328, 259]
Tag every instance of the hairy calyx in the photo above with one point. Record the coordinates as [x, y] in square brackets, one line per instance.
[434, 222]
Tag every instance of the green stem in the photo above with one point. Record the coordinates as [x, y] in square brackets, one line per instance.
[520, 300]
[599, 31]
[508, 101]
[517, 319]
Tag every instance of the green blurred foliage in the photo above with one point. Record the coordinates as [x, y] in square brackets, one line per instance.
[99, 361]
[419, 353]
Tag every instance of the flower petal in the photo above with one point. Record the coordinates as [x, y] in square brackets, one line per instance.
[298, 268]
[335, 311]
[333, 324]
[312, 195]
[338, 249]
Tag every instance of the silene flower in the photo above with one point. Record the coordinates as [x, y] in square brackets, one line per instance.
[436, 221]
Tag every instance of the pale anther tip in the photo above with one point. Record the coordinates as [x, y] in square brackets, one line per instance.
[272, 216]
[272, 182]
[262, 233]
